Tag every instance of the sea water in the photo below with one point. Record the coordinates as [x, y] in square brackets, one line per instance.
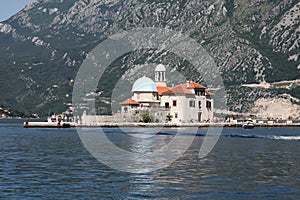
[262, 163]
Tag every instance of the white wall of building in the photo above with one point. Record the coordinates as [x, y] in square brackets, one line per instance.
[206, 112]
[187, 108]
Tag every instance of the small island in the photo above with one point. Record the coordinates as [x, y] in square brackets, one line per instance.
[156, 102]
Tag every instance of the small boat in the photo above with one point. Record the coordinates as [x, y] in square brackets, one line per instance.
[248, 124]
[55, 121]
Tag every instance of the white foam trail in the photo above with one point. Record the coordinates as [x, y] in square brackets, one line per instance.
[286, 137]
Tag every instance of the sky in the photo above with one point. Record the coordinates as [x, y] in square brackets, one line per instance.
[10, 7]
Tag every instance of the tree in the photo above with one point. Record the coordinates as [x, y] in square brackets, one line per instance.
[147, 118]
[169, 117]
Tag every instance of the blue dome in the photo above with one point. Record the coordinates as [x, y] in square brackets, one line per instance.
[160, 68]
[144, 84]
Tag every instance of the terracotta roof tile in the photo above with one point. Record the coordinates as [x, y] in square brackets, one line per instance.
[207, 93]
[162, 89]
[130, 102]
[195, 85]
[179, 89]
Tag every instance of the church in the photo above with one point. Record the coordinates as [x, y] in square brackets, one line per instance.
[188, 102]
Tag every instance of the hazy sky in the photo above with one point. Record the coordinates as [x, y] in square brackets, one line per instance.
[10, 7]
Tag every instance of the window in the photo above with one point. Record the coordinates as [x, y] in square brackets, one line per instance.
[176, 115]
[138, 96]
[192, 103]
[199, 105]
[208, 104]
[167, 105]
[174, 103]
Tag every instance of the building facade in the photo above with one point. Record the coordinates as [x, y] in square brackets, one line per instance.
[189, 102]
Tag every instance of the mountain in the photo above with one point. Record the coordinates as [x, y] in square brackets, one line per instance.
[254, 44]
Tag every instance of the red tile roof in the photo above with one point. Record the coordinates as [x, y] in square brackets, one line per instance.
[162, 89]
[130, 102]
[179, 89]
[195, 85]
[207, 93]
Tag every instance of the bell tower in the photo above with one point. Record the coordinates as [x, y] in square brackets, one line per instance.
[160, 75]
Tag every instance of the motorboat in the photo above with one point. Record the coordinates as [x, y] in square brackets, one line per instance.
[248, 124]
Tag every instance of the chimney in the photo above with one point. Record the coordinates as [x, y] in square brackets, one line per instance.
[188, 84]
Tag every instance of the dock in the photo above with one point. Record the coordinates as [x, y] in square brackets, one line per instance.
[28, 124]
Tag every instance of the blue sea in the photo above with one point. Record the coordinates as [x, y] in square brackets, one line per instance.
[262, 163]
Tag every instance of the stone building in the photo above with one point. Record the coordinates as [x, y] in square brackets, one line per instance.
[189, 102]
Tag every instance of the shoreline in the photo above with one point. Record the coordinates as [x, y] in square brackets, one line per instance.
[183, 125]
[153, 125]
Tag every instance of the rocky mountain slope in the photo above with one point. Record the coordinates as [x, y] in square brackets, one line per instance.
[252, 42]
